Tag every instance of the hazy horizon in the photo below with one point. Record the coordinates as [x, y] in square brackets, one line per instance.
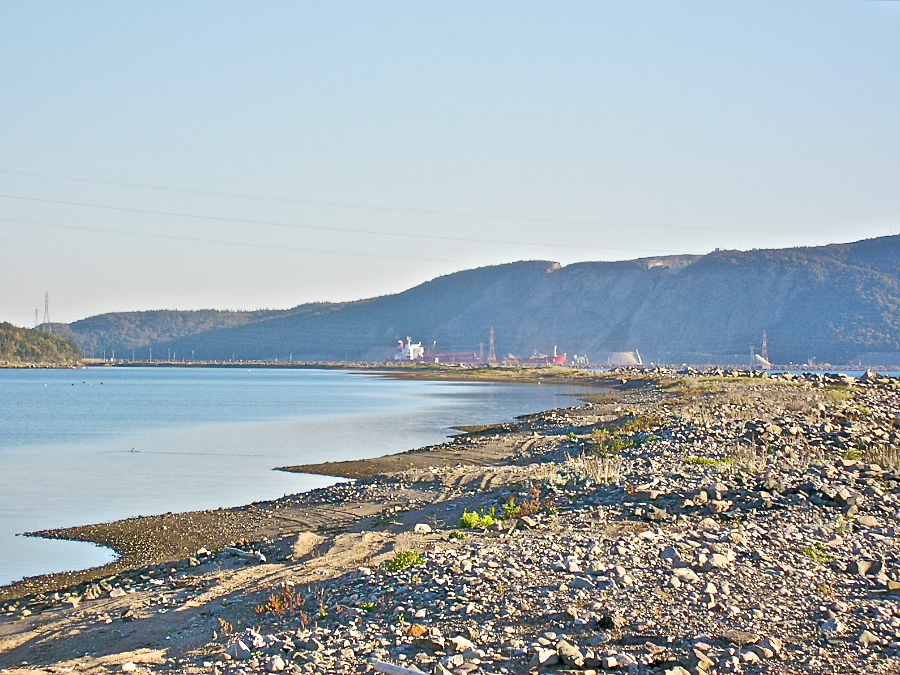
[222, 156]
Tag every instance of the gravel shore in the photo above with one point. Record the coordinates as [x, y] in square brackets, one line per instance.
[715, 523]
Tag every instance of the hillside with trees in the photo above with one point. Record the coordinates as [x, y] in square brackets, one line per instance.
[124, 332]
[838, 303]
[24, 347]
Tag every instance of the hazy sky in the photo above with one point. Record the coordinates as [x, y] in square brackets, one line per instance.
[253, 155]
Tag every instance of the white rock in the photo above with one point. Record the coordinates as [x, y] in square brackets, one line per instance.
[461, 644]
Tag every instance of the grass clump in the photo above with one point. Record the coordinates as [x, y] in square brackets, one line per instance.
[886, 455]
[456, 534]
[708, 461]
[285, 601]
[610, 445]
[639, 423]
[598, 470]
[817, 553]
[405, 560]
[511, 509]
[837, 394]
[628, 432]
[472, 519]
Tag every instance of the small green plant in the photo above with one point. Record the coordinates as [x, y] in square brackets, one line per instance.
[639, 423]
[456, 534]
[841, 525]
[837, 394]
[700, 461]
[708, 461]
[817, 553]
[404, 560]
[853, 454]
[368, 606]
[610, 445]
[473, 519]
[510, 509]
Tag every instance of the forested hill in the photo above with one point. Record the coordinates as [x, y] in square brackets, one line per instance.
[22, 346]
[836, 303]
[123, 332]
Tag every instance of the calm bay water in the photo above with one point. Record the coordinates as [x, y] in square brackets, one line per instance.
[83, 446]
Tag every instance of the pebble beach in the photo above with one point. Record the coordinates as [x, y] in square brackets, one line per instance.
[716, 522]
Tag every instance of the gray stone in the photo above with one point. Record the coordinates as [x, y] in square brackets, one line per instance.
[570, 654]
[860, 567]
[868, 638]
[239, 651]
[543, 657]
[461, 644]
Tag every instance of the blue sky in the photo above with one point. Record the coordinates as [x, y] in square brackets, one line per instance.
[238, 155]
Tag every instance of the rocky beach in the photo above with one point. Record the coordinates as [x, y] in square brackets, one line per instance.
[717, 522]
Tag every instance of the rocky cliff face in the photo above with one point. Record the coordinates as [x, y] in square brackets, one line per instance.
[833, 303]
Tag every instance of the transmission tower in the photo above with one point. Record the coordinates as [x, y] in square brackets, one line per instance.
[492, 356]
[47, 326]
[37, 322]
[765, 346]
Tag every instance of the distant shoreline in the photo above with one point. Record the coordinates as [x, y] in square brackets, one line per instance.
[442, 371]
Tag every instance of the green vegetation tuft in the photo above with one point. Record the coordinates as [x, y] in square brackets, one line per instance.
[835, 393]
[708, 461]
[510, 509]
[817, 553]
[472, 519]
[405, 560]
[610, 445]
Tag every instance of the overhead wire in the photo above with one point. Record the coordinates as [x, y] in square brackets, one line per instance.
[277, 247]
[405, 210]
[324, 228]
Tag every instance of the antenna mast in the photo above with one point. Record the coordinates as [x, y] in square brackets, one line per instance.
[47, 326]
[492, 356]
[765, 346]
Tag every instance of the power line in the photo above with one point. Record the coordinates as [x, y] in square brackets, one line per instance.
[406, 210]
[247, 221]
[223, 242]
